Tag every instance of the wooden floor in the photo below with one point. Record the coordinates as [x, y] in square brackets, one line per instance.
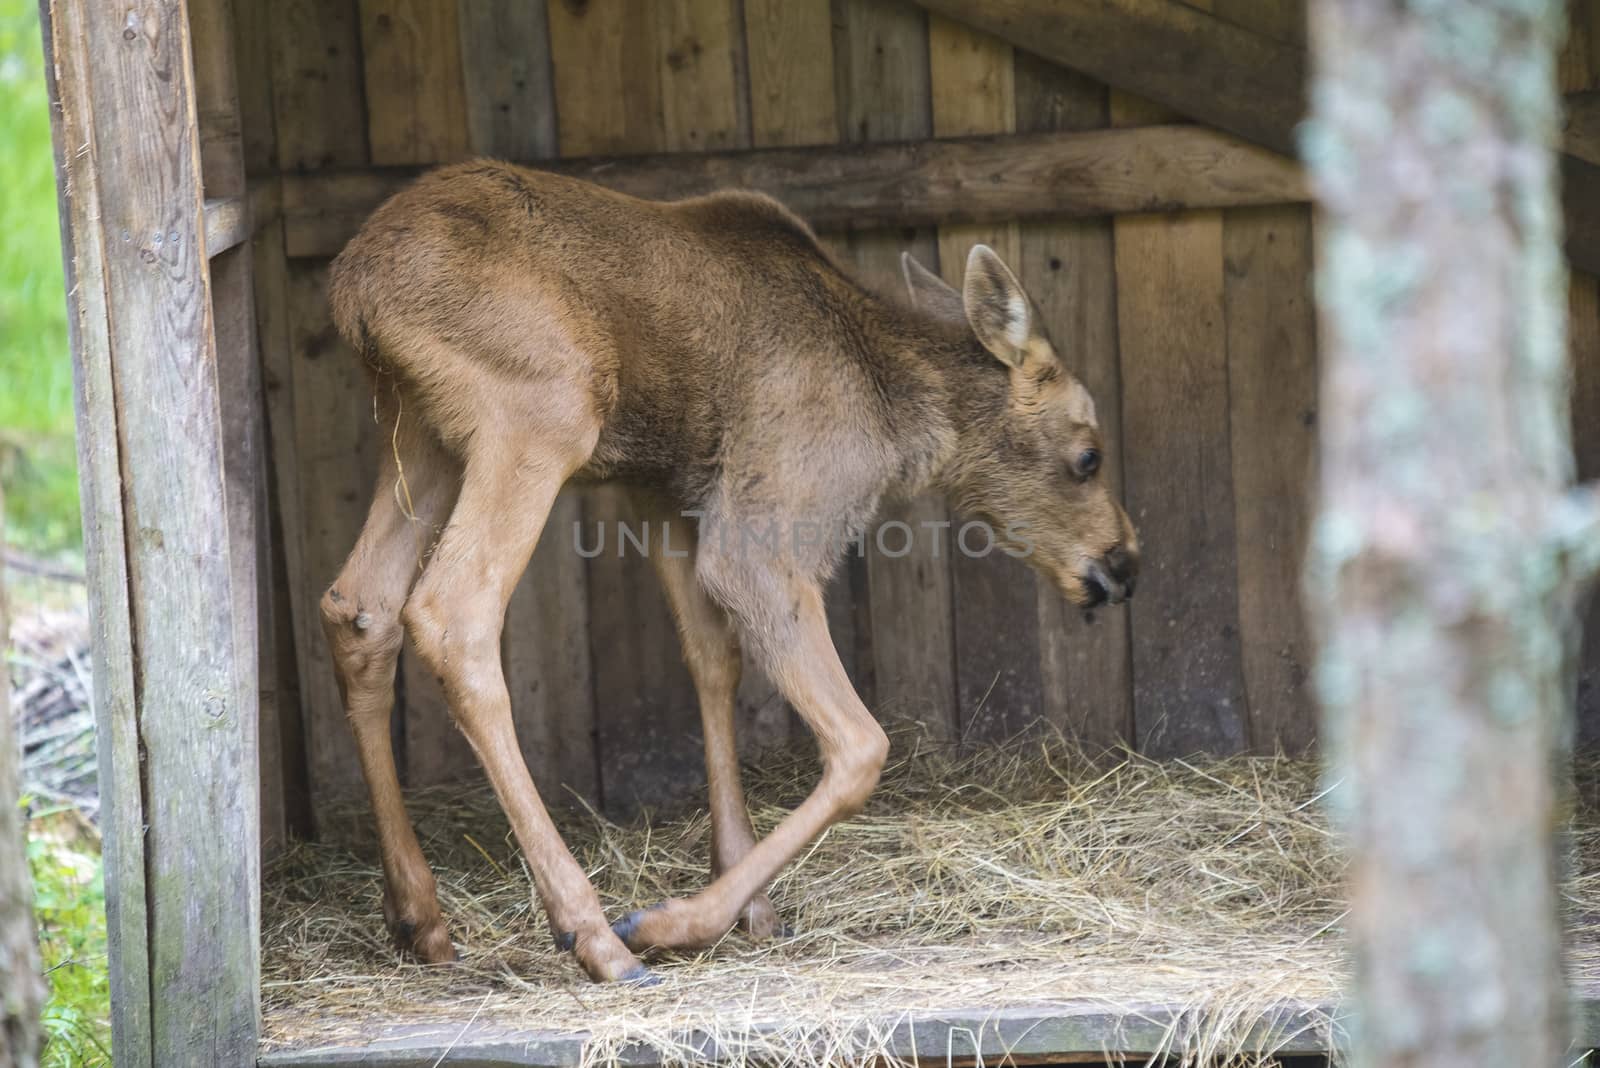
[1063, 1033]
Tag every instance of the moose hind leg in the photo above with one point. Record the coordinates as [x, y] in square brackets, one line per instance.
[711, 651]
[783, 616]
[361, 620]
[455, 616]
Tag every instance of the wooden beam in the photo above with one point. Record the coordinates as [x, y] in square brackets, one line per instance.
[157, 523]
[105, 565]
[1210, 70]
[228, 223]
[1061, 1033]
[921, 183]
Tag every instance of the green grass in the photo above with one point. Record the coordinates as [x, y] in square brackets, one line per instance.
[37, 465]
[70, 907]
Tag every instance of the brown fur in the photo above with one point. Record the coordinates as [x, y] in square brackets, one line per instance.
[523, 329]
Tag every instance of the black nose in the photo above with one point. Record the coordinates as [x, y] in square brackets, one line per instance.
[1096, 591]
[1121, 565]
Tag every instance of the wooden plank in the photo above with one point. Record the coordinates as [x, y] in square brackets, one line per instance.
[505, 51]
[699, 42]
[1188, 689]
[336, 455]
[416, 99]
[1272, 385]
[122, 816]
[1068, 269]
[1579, 72]
[227, 223]
[608, 94]
[610, 76]
[869, 186]
[318, 104]
[546, 655]
[999, 691]
[1583, 340]
[792, 102]
[290, 626]
[790, 45]
[510, 96]
[1062, 1033]
[1182, 57]
[884, 93]
[315, 408]
[195, 660]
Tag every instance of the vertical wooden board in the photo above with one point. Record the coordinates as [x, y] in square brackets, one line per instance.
[411, 59]
[646, 714]
[291, 624]
[607, 89]
[201, 831]
[1579, 70]
[1187, 683]
[1188, 686]
[994, 619]
[335, 449]
[790, 49]
[1069, 271]
[548, 670]
[881, 76]
[114, 694]
[318, 103]
[698, 42]
[1272, 383]
[1583, 333]
[505, 61]
[611, 70]
[253, 52]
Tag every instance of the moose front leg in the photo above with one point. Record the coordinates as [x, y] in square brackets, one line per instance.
[788, 626]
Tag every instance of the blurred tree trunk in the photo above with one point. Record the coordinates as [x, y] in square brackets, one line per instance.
[1449, 550]
[20, 987]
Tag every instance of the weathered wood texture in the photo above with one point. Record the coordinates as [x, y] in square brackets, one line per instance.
[1193, 331]
[1442, 585]
[100, 489]
[21, 987]
[1272, 404]
[148, 380]
[1199, 64]
[862, 186]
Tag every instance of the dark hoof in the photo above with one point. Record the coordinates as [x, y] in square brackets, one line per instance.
[641, 977]
[566, 941]
[628, 926]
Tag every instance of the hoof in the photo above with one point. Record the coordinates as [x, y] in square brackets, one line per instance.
[641, 977]
[760, 921]
[566, 941]
[627, 927]
[429, 944]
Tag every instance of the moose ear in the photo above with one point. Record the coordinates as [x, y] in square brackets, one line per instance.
[1000, 312]
[929, 292]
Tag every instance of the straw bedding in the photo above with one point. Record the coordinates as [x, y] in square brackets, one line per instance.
[1013, 876]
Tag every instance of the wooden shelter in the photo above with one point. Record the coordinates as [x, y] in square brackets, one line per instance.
[1131, 158]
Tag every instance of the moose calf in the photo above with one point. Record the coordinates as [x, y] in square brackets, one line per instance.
[523, 329]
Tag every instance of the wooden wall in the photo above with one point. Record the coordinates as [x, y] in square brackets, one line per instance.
[1194, 330]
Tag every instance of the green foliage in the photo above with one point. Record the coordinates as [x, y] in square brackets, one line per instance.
[37, 463]
[70, 908]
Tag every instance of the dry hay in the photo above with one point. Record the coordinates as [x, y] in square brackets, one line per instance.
[1022, 876]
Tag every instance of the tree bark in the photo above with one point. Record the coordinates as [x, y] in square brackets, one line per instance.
[1449, 549]
[21, 990]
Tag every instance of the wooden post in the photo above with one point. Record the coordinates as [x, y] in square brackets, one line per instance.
[174, 662]
[1448, 548]
[21, 992]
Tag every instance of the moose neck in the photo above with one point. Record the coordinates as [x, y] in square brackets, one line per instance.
[946, 397]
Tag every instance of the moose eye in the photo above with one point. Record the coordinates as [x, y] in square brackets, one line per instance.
[1088, 462]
